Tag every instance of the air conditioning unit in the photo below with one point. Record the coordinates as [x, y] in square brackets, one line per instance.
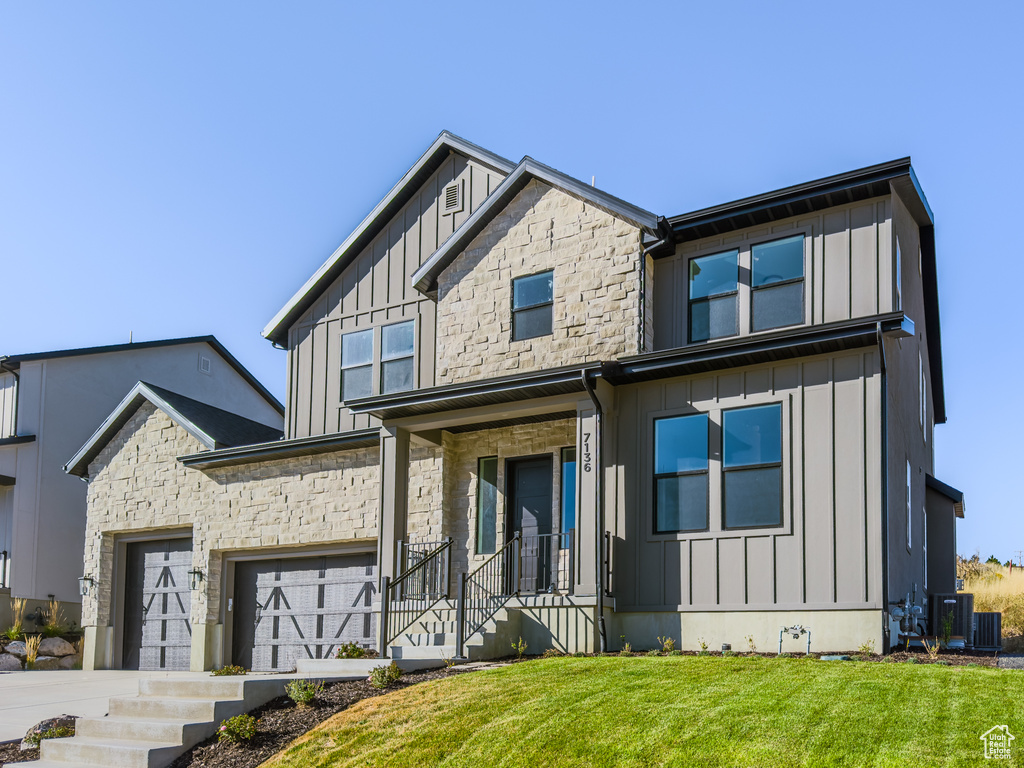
[962, 608]
[988, 631]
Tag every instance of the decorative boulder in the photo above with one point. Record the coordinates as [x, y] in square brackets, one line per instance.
[70, 662]
[17, 648]
[64, 721]
[9, 663]
[47, 662]
[56, 646]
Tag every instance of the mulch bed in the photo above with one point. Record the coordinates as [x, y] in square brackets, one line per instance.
[11, 753]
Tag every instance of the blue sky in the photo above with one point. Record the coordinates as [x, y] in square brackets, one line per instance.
[171, 169]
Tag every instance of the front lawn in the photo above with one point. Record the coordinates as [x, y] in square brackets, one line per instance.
[677, 711]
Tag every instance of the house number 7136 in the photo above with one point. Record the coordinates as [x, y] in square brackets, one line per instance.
[586, 452]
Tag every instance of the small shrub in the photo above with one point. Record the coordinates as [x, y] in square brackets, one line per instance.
[351, 651]
[385, 677]
[449, 662]
[931, 648]
[519, 647]
[32, 650]
[237, 729]
[13, 632]
[751, 645]
[911, 660]
[667, 644]
[676, 652]
[728, 653]
[303, 692]
[579, 655]
[551, 653]
[975, 665]
[942, 662]
[53, 619]
[703, 646]
[627, 650]
[61, 732]
[230, 669]
[866, 648]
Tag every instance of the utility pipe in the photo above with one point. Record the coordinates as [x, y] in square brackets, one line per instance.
[599, 521]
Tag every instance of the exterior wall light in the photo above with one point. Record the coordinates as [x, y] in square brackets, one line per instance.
[195, 578]
[86, 585]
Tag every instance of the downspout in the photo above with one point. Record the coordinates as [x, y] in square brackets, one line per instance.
[599, 521]
[17, 390]
[885, 489]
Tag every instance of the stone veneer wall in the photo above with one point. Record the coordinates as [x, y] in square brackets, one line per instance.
[138, 485]
[596, 260]
[426, 469]
[460, 476]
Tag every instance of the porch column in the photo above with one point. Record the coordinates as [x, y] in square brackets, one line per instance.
[588, 436]
[394, 455]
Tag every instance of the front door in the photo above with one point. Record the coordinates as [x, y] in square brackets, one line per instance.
[529, 490]
[301, 608]
[157, 600]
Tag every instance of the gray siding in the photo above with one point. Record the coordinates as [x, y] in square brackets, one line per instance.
[8, 396]
[826, 555]
[847, 267]
[941, 531]
[375, 290]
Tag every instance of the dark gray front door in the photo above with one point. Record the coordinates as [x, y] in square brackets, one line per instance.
[529, 483]
[157, 631]
[301, 608]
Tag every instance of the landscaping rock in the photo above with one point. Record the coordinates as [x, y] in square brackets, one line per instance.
[47, 662]
[9, 663]
[70, 662]
[17, 648]
[837, 657]
[56, 646]
[62, 721]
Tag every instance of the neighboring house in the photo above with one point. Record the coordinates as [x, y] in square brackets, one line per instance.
[50, 403]
[512, 393]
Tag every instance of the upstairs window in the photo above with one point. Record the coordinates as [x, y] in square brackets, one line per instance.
[396, 356]
[357, 364]
[752, 465]
[714, 286]
[777, 283]
[910, 515]
[532, 305]
[681, 474]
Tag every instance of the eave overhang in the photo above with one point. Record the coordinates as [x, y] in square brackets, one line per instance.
[282, 449]
[277, 329]
[951, 493]
[6, 481]
[425, 278]
[766, 348]
[19, 440]
[472, 394]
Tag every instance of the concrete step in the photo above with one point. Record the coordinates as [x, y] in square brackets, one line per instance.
[178, 708]
[123, 728]
[202, 688]
[113, 753]
[439, 652]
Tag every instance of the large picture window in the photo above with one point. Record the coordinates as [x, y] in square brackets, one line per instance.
[713, 288]
[532, 305]
[487, 505]
[777, 283]
[378, 360]
[681, 474]
[752, 466]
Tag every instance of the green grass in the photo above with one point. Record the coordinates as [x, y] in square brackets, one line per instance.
[677, 711]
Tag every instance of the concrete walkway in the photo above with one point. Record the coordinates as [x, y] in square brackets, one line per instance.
[28, 697]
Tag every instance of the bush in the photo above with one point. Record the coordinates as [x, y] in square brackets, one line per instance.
[551, 653]
[53, 618]
[654, 652]
[237, 729]
[61, 732]
[519, 647]
[579, 655]
[668, 644]
[351, 651]
[385, 677]
[230, 669]
[675, 652]
[302, 692]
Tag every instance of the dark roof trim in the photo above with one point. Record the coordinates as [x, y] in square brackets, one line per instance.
[6, 481]
[19, 440]
[781, 345]
[861, 184]
[507, 389]
[277, 329]
[931, 319]
[15, 361]
[425, 278]
[282, 449]
[951, 493]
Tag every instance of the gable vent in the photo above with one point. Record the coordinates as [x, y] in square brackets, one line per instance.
[453, 202]
[204, 365]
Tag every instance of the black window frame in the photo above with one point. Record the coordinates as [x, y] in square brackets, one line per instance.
[549, 303]
[479, 549]
[791, 281]
[748, 467]
[688, 473]
[690, 301]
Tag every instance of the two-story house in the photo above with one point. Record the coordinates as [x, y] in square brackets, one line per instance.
[520, 406]
[50, 402]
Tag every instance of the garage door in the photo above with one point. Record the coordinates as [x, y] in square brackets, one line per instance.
[301, 608]
[157, 632]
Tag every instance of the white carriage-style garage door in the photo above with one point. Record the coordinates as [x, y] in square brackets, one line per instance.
[157, 600]
[301, 608]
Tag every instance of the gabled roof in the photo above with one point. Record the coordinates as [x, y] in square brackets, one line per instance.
[13, 362]
[951, 493]
[425, 278]
[213, 427]
[277, 329]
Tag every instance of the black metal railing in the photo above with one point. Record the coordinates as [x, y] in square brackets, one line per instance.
[482, 593]
[420, 587]
[546, 563]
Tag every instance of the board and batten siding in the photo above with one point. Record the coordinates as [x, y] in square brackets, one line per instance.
[374, 290]
[827, 554]
[8, 406]
[848, 269]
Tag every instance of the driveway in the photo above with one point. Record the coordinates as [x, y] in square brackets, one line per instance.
[28, 697]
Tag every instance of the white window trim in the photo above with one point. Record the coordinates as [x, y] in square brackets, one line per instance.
[376, 362]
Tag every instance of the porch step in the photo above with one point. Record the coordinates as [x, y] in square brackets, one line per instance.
[169, 716]
[439, 652]
[491, 642]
